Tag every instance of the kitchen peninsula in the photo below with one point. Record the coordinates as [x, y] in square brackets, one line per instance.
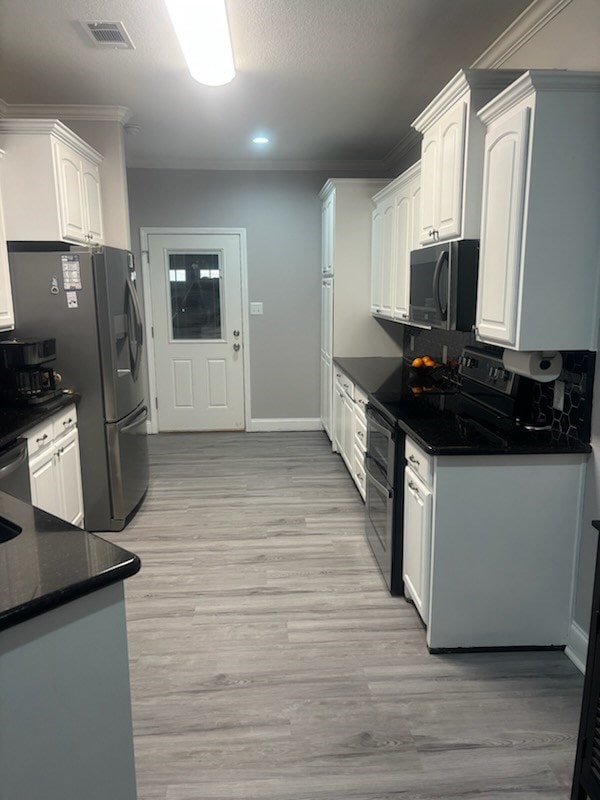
[65, 712]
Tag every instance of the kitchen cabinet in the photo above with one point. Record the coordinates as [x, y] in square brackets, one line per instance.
[52, 179]
[452, 155]
[395, 222]
[490, 544]
[7, 315]
[350, 426]
[538, 273]
[347, 326]
[55, 467]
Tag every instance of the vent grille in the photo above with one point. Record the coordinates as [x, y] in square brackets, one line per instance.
[108, 34]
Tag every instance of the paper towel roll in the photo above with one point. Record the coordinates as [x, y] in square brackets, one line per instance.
[539, 365]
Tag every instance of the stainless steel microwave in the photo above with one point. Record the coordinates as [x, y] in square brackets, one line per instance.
[443, 285]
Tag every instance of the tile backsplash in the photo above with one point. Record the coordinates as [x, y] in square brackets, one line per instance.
[577, 378]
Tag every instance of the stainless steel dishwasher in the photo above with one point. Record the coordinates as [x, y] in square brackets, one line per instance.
[14, 470]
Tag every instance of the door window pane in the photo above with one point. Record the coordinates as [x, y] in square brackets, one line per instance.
[195, 291]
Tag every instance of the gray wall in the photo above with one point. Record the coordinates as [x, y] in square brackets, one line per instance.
[281, 212]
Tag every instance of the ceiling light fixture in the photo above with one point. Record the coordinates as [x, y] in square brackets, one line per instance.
[260, 140]
[203, 33]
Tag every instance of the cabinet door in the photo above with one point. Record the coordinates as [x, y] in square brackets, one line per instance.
[70, 189]
[326, 394]
[92, 201]
[45, 487]
[327, 316]
[376, 256]
[429, 157]
[69, 478]
[415, 212]
[417, 542]
[338, 418]
[403, 246]
[449, 172]
[348, 431]
[7, 317]
[505, 168]
[327, 243]
[387, 257]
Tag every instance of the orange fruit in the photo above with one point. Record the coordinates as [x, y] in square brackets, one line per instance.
[417, 362]
[416, 389]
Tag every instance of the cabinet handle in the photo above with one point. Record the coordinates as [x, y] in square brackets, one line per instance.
[360, 434]
[68, 421]
[414, 487]
[359, 477]
[42, 438]
[346, 386]
[414, 460]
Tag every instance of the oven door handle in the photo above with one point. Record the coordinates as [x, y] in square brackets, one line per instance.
[384, 489]
[437, 275]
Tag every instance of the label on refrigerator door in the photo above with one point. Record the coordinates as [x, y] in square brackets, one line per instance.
[71, 269]
[72, 300]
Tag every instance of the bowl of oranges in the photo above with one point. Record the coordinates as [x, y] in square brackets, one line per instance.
[421, 372]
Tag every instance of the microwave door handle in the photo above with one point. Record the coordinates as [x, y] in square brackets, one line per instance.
[437, 275]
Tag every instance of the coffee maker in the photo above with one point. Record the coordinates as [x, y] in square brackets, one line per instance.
[26, 377]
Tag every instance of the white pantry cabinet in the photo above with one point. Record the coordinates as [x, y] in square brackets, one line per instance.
[7, 316]
[52, 180]
[55, 466]
[540, 238]
[452, 155]
[347, 326]
[490, 543]
[395, 222]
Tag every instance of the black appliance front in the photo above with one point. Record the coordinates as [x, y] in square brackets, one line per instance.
[384, 467]
[14, 470]
[443, 285]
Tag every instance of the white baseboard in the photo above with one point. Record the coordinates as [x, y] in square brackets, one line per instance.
[577, 645]
[300, 424]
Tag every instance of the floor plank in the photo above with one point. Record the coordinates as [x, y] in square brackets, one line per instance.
[269, 662]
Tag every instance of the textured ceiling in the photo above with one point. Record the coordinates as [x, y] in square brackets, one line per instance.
[328, 80]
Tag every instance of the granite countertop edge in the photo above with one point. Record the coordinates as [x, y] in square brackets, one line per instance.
[59, 597]
[34, 415]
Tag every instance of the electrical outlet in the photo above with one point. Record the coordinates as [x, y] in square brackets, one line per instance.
[411, 340]
[444, 354]
[558, 402]
[256, 308]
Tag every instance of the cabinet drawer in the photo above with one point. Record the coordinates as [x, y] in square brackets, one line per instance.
[358, 470]
[360, 431]
[344, 382]
[419, 462]
[361, 399]
[64, 422]
[39, 438]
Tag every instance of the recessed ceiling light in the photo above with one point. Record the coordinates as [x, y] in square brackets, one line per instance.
[260, 140]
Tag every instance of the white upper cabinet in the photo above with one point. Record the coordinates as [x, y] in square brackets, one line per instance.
[327, 232]
[394, 235]
[452, 155]
[7, 317]
[540, 239]
[52, 179]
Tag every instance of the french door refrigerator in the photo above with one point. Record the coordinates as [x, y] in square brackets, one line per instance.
[88, 302]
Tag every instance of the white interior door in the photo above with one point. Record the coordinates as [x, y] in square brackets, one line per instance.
[196, 290]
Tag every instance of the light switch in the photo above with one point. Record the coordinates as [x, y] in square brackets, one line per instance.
[256, 308]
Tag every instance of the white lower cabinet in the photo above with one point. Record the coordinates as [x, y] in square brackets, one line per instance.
[490, 544]
[350, 426]
[417, 541]
[55, 467]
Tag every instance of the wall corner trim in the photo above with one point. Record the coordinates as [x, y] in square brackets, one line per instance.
[295, 424]
[577, 644]
[526, 25]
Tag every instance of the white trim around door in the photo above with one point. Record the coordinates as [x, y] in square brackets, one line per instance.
[147, 291]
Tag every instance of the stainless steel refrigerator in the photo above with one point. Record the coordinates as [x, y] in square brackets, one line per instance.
[88, 302]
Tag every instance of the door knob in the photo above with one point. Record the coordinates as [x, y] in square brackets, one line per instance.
[236, 347]
[236, 333]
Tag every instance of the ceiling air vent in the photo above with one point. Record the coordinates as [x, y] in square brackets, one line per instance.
[108, 34]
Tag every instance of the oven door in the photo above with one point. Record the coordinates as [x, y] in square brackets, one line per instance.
[379, 517]
[381, 446]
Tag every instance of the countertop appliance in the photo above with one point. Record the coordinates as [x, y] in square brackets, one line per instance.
[14, 470]
[384, 471]
[443, 285]
[26, 377]
[87, 300]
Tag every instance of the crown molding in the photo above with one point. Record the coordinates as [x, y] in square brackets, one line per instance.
[71, 112]
[407, 176]
[3, 107]
[371, 168]
[526, 25]
[409, 140]
[53, 127]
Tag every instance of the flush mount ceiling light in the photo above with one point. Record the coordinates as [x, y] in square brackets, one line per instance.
[260, 140]
[203, 33]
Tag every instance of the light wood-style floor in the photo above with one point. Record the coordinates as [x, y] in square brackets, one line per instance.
[269, 662]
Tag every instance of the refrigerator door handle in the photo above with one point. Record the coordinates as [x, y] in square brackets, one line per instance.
[136, 421]
[139, 334]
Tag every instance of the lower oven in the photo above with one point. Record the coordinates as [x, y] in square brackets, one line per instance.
[384, 468]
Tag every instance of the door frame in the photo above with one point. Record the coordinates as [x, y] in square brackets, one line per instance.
[147, 289]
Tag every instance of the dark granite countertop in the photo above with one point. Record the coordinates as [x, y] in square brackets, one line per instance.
[51, 562]
[16, 420]
[440, 419]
